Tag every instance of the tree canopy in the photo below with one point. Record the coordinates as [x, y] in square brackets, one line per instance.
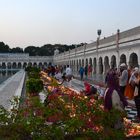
[45, 50]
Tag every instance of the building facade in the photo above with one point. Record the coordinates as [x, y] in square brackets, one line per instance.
[123, 47]
[19, 60]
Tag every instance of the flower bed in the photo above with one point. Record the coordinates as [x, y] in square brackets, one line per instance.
[131, 129]
[65, 115]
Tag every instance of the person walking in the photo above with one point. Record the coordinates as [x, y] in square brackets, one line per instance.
[137, 96]
[89, 70]
[113, 98]
[86, 71]
[123, 77]
[69, 74]
[129, 90]
[81, 72]
[132, 82]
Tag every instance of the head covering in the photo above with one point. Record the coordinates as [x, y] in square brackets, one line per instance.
[136, 69]
[113, 85]
[123, 65]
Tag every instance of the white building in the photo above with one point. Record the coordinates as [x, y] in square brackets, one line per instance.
[124, 47]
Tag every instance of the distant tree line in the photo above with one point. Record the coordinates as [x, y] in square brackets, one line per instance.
[45, 50]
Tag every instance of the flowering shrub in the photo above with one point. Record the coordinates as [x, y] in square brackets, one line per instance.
[68, 116]
[65, 115]
[34, 84]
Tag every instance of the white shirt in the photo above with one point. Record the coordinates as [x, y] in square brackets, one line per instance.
[58, 76]
[124, 78]
[68, 71]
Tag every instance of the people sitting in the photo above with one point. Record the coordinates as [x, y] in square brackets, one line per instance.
[89, 89]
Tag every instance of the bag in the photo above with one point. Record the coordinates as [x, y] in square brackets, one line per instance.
[136, 91]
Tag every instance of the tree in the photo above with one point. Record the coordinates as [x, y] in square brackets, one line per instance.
[32, 50]
[4, 48]
[16, 50]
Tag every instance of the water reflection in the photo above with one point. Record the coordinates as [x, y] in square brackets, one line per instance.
[3, 73]
[6, 74]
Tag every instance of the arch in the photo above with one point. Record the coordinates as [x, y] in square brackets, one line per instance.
[123, 59]
[24, 65]
[133, 60]
[77, 65]
[40, 65]
[113, 61]
[94, 65]
[34, 64]
[19, 65]
[70, 63]
[73, 65]
[73, 62]
[30, 64]
[86, 61]
[106, 64]
[45, 64]
[100, 65]
[9, 65]
[83, 62]
[80, 63]
[90, 61]
[3, 65]
[14, 65]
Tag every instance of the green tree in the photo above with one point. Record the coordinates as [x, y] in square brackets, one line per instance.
[16, 50]
[32, 50]
[4, 48]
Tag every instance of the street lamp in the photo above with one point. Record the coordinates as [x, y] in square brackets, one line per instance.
[117, 44]
[98, 38]
[75, 59]
[99, 31]
[84, 52]
[69, 56]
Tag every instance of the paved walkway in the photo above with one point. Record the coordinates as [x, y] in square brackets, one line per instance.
[11, 87]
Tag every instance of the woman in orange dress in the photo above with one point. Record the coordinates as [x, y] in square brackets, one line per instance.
[129, 90]
[133, 76]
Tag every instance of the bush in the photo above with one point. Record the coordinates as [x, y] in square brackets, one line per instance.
[33, 72]
[34, 85]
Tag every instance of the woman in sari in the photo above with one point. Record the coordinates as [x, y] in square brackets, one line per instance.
[113, 96]
[113, 99]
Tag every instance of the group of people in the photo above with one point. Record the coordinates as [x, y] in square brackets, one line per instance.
[122, 84]
[87, 70]
[61, 73]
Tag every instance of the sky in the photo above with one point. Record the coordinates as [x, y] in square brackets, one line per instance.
[37, 22]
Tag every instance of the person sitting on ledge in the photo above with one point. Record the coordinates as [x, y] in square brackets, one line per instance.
[89, 89]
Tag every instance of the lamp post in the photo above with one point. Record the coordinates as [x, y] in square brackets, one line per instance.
[69, 56]
[117, 45]
[99, 31]
[75, 59]
[64, 58]
[84, 52]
